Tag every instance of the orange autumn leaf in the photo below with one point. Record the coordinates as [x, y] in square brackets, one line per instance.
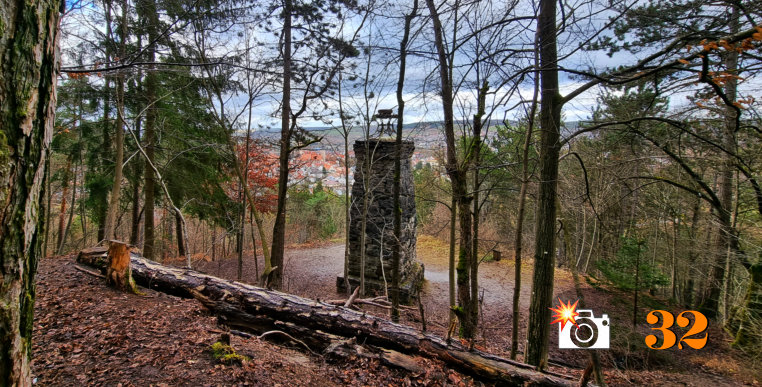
[757, 35]
[684, 61]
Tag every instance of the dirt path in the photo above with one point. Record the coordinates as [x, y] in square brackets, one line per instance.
[312, 271]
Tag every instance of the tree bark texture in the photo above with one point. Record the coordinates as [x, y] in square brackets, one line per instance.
[180, 232]
[28, 69]
[396, 247]
[67, 227]
[116, 188]
[62, 212]
[711, 307]
[275, 277]
[545, 241]
[467, 311]
[151, 86]
[257, 309]
[118, 273]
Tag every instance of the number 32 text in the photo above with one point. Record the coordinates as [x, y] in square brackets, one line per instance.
[700, 324]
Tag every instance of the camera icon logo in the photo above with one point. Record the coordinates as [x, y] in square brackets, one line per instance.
[580, 329]
[588, 333]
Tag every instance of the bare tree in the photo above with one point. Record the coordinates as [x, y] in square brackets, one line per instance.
[116, 189]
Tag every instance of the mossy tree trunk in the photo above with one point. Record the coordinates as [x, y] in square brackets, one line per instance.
[28, 66]
[748, 318]
[467, 310]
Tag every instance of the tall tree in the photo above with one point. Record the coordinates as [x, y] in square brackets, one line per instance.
[148, 12]
[396, 245]
[28, 70]
[279, 228]
[545, 239]
[116, 189]
[320, 51]
[457, 171]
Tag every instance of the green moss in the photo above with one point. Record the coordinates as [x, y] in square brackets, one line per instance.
[462, 268]
[134, 287]
[27, 317]
[5, 156]
[747, 319]
[226, 354]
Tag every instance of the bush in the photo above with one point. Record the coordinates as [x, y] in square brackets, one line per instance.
[630, 259]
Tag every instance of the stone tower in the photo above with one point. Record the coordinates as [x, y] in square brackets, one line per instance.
[379, 229]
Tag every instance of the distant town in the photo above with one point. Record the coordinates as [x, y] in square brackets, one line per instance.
[326, 166]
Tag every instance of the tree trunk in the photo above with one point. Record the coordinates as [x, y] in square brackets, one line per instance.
[118, 272]
[240, 234]
[711, 307]
[275, 277]
[71, 213]
[28, 69]
[180, 232]
[48, 195]
[136, 210]
[364, 222]
[62, 212]
[545, 244]
[749, 315]
[100, 197]
[151, 85]
[396, 246]
[635, 290]
[116, 188]
[519, 239]
[458, 180]
[253, 308]
[673, 281]
[83, 222]
[347, 188]
[214, 242]
[253, 245]
[476, 147]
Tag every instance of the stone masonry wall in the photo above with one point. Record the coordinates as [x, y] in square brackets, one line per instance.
[380, 224]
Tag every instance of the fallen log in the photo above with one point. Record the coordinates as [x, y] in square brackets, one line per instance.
[317, 324]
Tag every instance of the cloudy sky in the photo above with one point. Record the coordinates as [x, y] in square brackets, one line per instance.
[421, 89]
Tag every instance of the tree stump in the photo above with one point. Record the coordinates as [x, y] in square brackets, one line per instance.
[118, 272]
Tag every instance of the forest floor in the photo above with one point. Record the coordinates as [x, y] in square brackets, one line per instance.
[86, 333]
